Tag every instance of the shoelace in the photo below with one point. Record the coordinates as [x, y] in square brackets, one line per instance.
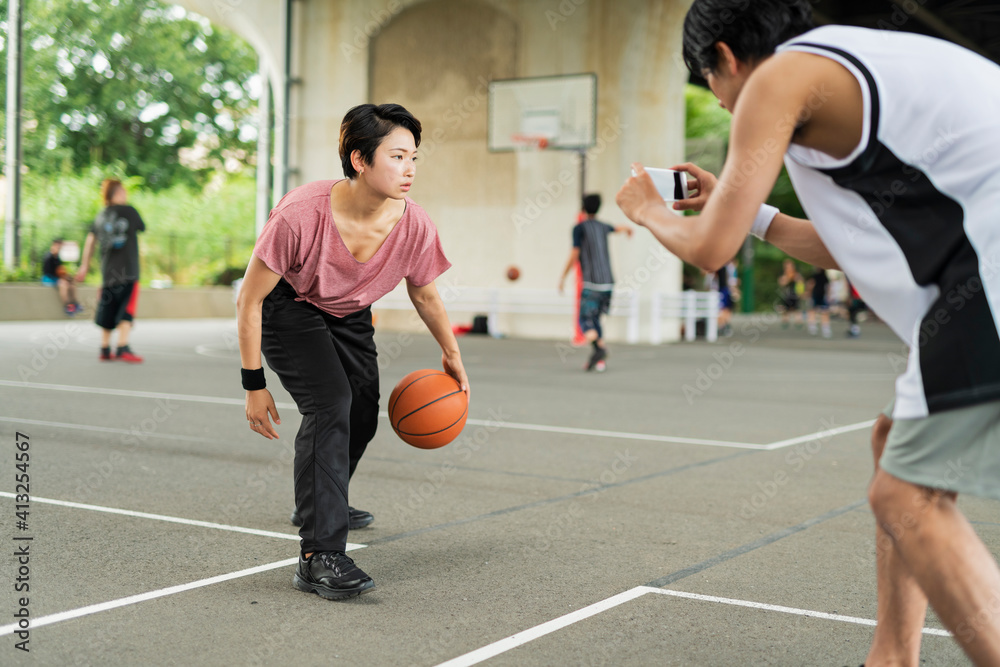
[340, 563]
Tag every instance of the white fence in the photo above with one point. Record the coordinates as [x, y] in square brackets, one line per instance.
[495, 301]
[689, 306]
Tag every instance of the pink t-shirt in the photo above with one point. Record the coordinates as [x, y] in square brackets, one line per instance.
[301, 243]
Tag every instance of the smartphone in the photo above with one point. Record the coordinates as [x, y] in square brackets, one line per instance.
[672, 185]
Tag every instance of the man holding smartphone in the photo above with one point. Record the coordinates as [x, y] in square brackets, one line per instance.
[892, 143]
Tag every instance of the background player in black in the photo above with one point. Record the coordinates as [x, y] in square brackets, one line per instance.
[117, 230]
[790, 282]
[818, 286]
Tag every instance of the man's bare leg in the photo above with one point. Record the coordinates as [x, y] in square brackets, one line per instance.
[902, 606]
[946, 558]
[124, 329]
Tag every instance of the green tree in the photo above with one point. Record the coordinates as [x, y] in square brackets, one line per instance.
[133, 82]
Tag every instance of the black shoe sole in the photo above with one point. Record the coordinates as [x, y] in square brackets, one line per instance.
[328, 593]
[353, 525]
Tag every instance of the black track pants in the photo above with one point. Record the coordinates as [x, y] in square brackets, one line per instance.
[329, 365]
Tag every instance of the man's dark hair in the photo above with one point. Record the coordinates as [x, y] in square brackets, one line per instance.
[751, 28]
[591, 204]
[366, 125]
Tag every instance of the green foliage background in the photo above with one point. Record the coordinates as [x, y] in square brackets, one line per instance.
[193, 234]
[131, 82]
[144, 92]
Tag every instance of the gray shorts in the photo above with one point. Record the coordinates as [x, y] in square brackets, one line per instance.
[955, 450]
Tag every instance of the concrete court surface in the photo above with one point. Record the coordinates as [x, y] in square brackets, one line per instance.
[697, 504]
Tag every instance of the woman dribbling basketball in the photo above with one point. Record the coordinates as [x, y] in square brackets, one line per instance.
[329, 250]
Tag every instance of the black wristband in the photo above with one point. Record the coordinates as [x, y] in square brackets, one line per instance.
[253, 380]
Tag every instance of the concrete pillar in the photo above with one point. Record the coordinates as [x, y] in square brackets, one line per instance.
[646, 92]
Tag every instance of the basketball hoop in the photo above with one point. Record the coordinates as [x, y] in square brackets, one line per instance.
[529, 141]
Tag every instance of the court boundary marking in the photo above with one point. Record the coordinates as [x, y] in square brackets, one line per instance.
[162, 592]
[143, 597]
[492, 423]
[525, 636]
[156, 517]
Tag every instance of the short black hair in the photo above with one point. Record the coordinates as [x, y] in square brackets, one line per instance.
[751, 28]
[591, 204]
[366, 125]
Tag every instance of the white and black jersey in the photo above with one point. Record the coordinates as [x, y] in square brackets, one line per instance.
[912, 216]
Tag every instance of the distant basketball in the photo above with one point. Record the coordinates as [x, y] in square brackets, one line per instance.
[428, 408]
[513, 273]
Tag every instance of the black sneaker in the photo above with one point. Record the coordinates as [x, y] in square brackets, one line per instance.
[599, 355]
[331, 575]
[358, 518]
[355, 518]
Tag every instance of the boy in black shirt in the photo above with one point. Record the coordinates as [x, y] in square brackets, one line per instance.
[55, 274]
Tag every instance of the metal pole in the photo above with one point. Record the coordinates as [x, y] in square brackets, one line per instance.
[747, 282]
[263, 150]
[286, 124]
[11, 247]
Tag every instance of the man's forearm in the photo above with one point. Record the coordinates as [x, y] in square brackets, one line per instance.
[798, 237]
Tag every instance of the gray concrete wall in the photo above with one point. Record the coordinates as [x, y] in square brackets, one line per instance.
[38, 302]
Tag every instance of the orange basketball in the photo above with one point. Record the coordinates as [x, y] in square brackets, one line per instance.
[427, 409]
[513, 273]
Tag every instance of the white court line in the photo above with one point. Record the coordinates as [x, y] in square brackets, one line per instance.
[142, 597]
[614, 434]
[504, 645]
[784, 610]
[820, 435]
[106, 429]
[168, 519]
[476, 422]
[525, 636]
[189, 398]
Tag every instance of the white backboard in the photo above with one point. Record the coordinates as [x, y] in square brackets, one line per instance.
[560, 109]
